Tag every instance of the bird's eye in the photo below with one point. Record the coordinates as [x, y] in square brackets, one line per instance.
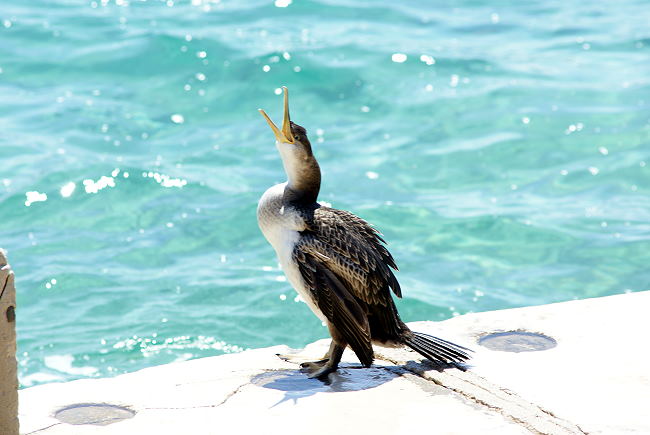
[295, 136]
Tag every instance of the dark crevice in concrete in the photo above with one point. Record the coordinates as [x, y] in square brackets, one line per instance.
[42, 429]
[228, 396]
[179, 408]
[557, 425]
[231, 394]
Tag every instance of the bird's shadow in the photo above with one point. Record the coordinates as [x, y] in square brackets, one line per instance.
[349, 377]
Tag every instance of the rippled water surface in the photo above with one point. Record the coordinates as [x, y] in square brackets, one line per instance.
[504, 152]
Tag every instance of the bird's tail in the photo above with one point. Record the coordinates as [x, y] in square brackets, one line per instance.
[437, 350]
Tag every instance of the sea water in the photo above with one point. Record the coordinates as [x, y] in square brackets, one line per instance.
[503, 149]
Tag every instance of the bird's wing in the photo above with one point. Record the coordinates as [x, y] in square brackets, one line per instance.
[336, 302]
[346, 267]
[355, 252]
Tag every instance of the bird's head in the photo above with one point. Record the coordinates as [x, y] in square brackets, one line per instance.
[299, 163]
[292, 138]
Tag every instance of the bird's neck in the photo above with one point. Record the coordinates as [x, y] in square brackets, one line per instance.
[303, 178]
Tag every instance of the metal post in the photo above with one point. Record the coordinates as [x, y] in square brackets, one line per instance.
[8, 366]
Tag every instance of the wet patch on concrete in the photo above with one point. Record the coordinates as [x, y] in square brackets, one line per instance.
[517, 341]
[99, 414]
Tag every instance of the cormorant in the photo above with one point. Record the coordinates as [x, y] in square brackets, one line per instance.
[337, 262]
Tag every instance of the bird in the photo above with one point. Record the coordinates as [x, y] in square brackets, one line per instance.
[337, 262]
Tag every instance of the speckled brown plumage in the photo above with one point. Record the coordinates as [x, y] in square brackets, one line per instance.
[353, 250]
[338, 263]
[347, 268]
[342, 258]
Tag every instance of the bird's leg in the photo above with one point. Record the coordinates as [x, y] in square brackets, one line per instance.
[314, 365]
[335, 354]
[337, 346]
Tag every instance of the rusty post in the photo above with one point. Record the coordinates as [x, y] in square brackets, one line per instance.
[8, 365]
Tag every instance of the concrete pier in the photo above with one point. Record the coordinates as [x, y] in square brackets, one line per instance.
[8, 366]
[570, 368]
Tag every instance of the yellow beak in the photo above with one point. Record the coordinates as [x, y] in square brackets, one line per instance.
[283, 135]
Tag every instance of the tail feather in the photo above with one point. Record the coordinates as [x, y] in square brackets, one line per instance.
[447, 346]
[440, 353]
[437, 350]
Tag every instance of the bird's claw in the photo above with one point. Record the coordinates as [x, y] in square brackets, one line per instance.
[314, 365]
[321, 373]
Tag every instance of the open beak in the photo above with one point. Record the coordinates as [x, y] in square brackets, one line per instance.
[283, 135]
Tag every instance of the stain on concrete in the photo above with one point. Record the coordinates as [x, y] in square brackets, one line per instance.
[517, 341]
[98, 414]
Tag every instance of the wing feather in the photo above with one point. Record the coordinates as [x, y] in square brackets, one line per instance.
[348, 270]
[337, 304]
[355, 253]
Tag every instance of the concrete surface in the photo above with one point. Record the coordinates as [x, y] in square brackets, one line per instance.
[595, 380]
[8, 366]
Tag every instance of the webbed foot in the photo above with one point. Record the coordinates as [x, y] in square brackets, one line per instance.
[288, 357]
[314, 365]
[303, 360]
[322, 372]
[320, 369]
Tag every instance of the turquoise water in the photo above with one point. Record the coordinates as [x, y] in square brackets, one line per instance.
[504, 152]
